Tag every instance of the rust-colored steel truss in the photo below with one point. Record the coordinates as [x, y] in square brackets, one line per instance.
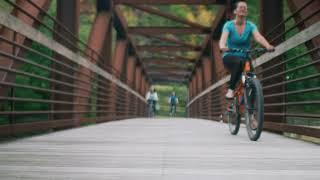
[89, 82]
[168, 2]
[169, 56]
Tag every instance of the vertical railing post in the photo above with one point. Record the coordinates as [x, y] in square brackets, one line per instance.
[142, 84]
[98, 51]
[272, 15]
[130, 80]
[137, 88]
[147, 87]
[68, 14]
[190, 92]
[207, 73]
[118, 62]
[194, 87]
[218, 73]
[199, 75]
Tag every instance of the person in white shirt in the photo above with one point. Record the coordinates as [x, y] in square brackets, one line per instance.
[152, 99]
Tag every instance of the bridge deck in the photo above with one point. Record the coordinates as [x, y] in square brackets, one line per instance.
[158, 149]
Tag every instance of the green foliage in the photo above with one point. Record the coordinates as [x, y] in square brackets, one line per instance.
[253, 11]
[86, 22]
[35, 82]
[4, 120]
[4, 6]
[32, 81]
[300, 73]
[200, 14]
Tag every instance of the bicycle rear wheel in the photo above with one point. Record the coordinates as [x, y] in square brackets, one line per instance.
[150, 110]
[234, 117]
[254, 109]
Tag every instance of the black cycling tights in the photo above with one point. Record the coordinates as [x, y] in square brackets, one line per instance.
[235, 65]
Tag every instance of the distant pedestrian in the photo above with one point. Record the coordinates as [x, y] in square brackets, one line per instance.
[173, 101]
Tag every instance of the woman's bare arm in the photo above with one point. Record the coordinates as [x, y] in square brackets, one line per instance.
[223, 41]
[261, 40]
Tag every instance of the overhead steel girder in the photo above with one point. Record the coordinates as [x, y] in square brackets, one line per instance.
[168, 80]
[157, 76]
[167, 48]
[168, 72]
[167, 30]
[122, 27]
[167, 67]
[166, 15]
[215, 30]
[169, 63]
[169, 2]
[174, 56]
[170, 40]
[174, 60]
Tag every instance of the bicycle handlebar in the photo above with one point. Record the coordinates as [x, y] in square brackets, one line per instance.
[248, 51]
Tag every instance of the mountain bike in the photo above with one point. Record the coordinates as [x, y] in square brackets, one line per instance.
[248, 99]
[151, 108]
[173, 109]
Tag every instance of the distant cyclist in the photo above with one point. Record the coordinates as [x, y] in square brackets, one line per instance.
[152, 99]
[237, 33]
[173, 101]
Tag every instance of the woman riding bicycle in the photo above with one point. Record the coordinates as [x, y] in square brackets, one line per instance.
[237, 34]
[152, 99]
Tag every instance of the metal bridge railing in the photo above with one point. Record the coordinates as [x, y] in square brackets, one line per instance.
[42, 92]
[68, 37]
[291, 81]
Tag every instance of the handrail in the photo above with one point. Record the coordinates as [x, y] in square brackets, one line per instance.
[17, 25]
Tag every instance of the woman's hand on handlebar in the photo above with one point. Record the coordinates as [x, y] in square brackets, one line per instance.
[270, 48]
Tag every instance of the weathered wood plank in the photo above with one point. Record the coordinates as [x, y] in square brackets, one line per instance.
[158, 149]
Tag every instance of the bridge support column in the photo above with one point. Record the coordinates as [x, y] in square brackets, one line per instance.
[144, 95]
[142, 87]
[190, 92]
[272, 15]
[117, 94]
[219, 73]
[147, 87]
[207, 73]
[199, 75]
[68, 13]
[130, 80]
[194, 87]
[100, 44]
[137, 88]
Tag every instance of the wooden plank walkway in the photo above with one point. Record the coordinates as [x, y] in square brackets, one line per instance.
[158, 149]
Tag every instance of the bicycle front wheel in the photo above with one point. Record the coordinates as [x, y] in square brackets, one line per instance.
[254, 109]
[150, 110]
